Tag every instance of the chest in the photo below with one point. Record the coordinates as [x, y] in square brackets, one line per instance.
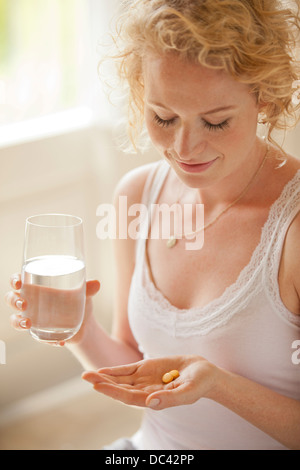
[193, 278]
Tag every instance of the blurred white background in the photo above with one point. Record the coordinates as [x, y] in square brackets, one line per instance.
[58, 154]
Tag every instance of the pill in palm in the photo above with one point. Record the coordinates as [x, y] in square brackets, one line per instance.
[169, 376]
[174, 373]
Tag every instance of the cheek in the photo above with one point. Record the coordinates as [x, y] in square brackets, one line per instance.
[235, 142]
[243, 131]
[161, 138]
[238, 143]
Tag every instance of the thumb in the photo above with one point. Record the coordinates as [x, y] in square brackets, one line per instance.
[92, 287]
[167, 398]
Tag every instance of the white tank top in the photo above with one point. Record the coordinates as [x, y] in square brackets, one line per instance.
[247, 330]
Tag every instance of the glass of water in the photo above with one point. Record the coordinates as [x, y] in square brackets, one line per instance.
[53, 276]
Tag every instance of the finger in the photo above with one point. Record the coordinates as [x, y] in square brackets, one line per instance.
[94, 378]
[15, 281]
[58, 344]
[123, 394]
[92, 287]
[20, 323]
[13, 299]
[124, 370]
[170, 397]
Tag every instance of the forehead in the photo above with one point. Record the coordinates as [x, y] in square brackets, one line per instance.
[173, 81]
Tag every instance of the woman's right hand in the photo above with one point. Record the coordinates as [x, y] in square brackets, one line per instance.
[18, 319]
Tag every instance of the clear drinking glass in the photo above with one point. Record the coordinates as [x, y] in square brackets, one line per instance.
[53, 276]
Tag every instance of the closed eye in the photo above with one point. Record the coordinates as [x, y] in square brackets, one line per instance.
[217, 127]
[163, 122]
[211, 127]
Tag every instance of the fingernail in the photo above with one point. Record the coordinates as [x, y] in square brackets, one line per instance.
[16, 283]
[19, 304]
[154, 403]
[23, 323]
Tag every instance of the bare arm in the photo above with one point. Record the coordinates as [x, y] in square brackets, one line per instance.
[275, 414]
[93, 346]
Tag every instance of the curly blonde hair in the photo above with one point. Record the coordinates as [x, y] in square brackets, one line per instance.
[255, 41]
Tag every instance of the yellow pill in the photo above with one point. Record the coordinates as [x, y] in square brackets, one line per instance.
[167, 378]
[174, 373]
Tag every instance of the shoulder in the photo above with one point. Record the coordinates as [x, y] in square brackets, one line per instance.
[133, 183]
[128, 192]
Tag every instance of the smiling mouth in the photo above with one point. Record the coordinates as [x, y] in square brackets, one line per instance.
[196, 167]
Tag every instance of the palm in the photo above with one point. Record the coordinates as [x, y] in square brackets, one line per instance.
[134, 383]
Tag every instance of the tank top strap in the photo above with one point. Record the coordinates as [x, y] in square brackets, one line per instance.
[152, 188]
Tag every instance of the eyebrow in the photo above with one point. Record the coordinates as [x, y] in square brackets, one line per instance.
[211, 111]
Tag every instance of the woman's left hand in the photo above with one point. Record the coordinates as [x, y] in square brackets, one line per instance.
[141, 384]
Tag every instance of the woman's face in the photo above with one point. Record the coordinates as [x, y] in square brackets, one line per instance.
[200, 119]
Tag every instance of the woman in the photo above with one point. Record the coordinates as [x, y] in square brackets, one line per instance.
[226, 316]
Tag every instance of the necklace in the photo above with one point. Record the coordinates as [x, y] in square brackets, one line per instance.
[173, 239]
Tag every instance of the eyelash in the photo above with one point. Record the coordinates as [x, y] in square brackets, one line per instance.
[163, 122]
[211, 127]
[217, 127]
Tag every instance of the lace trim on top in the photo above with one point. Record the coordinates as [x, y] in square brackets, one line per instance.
[201, 320]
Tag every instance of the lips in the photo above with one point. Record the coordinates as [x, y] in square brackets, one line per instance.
[196, 167]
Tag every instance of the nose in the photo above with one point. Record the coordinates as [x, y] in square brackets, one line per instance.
[189, 142]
